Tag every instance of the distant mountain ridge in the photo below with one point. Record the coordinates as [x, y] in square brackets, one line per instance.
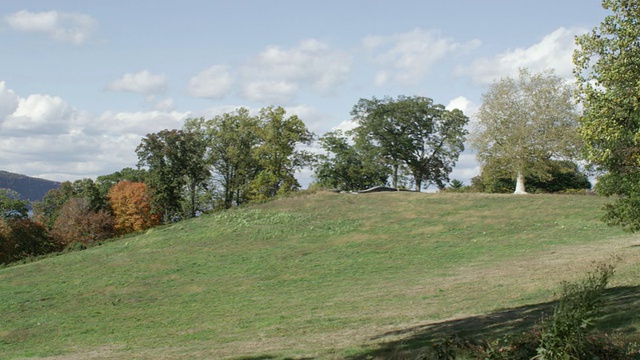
[30, 188]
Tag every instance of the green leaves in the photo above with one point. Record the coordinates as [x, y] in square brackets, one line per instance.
[414, 132]
[607, 70]
[524, 122]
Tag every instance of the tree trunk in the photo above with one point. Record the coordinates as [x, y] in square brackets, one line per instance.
[394, 177]
[520, 189]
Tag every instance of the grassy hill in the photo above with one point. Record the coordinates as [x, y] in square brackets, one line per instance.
[319, 276]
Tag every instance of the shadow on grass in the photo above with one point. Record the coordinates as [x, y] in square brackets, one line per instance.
[621, 315]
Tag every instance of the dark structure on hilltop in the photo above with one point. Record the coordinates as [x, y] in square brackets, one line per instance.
[29, 188]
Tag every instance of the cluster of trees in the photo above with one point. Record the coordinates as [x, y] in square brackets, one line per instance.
[410, 139]
[528, 131]
[208, 164]
[74, 215]
[223, 162]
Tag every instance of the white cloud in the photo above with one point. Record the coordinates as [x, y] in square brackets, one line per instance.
[270, 91]
[40, 114]
[142, 82]
[277, 73]
[164, 105]
[406, 58]
[60, 26]
[46, 137]
[139, 123]
[8, 101]
[345, 125]
[554, 51]
[214, 83]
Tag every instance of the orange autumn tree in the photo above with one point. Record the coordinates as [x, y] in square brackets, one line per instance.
[131, 207]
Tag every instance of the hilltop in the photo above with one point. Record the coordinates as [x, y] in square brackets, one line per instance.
[317, 276]
[30, 188]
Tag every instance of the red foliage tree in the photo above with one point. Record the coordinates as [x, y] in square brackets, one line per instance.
[76, 222]
[131, 207]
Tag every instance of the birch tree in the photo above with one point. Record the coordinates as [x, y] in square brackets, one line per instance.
[523, 123]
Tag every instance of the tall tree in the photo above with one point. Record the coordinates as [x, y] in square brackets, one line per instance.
[415, 132]
[347, 166]
[196, 168]
[175, 161]
[231, 140]
[523, 123]
[607, 70]
[277, 154]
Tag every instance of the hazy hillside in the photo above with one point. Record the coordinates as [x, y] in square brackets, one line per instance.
[30, 188]
[328, 276]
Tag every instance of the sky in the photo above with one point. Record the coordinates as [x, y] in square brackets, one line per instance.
[82, 82]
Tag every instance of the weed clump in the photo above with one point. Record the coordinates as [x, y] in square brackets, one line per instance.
[567, 335]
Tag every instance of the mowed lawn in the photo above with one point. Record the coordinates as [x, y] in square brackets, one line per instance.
[317, 276]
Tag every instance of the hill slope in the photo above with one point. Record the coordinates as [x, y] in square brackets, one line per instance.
[325, 275]
[30, 188]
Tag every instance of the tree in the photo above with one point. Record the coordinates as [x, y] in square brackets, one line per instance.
[77, 222]
[11, 207]
[347, 166]
[276, 153]
[231, 140]
[46, 211]
[196, 169]
[607, 71]
[562, 176]
[106, 182]
[21, 238]
[523, 123]
[175, 160]
[131, 207]
[415, 132]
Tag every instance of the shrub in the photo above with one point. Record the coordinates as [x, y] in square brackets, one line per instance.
[564, 336]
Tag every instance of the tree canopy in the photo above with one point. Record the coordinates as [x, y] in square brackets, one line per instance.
[607, 71]
[414, 132]
[523, 123]
[347, 166]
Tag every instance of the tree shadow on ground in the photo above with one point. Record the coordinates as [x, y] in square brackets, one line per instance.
[620, 315]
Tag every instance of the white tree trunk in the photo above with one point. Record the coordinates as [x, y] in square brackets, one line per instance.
[520, 184]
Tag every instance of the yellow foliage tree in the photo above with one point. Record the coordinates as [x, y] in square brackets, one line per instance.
[131, 207]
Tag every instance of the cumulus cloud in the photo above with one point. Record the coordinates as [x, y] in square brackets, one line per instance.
[74, 28]
[40, 114]
[406, 58]
[214, 83]
[270, 91]
[8, 101]
[554, 51]
[164, 105]
[142, 82]
[42, 135]
[277, 73]
[115, 124]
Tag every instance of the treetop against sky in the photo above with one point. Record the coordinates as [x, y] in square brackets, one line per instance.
[85, 81]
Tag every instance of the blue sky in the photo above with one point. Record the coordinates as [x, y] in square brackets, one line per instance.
[81, 82]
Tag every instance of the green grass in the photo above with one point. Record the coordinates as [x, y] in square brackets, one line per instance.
[323, 275]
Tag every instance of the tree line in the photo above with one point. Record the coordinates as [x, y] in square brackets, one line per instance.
[527, 131]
